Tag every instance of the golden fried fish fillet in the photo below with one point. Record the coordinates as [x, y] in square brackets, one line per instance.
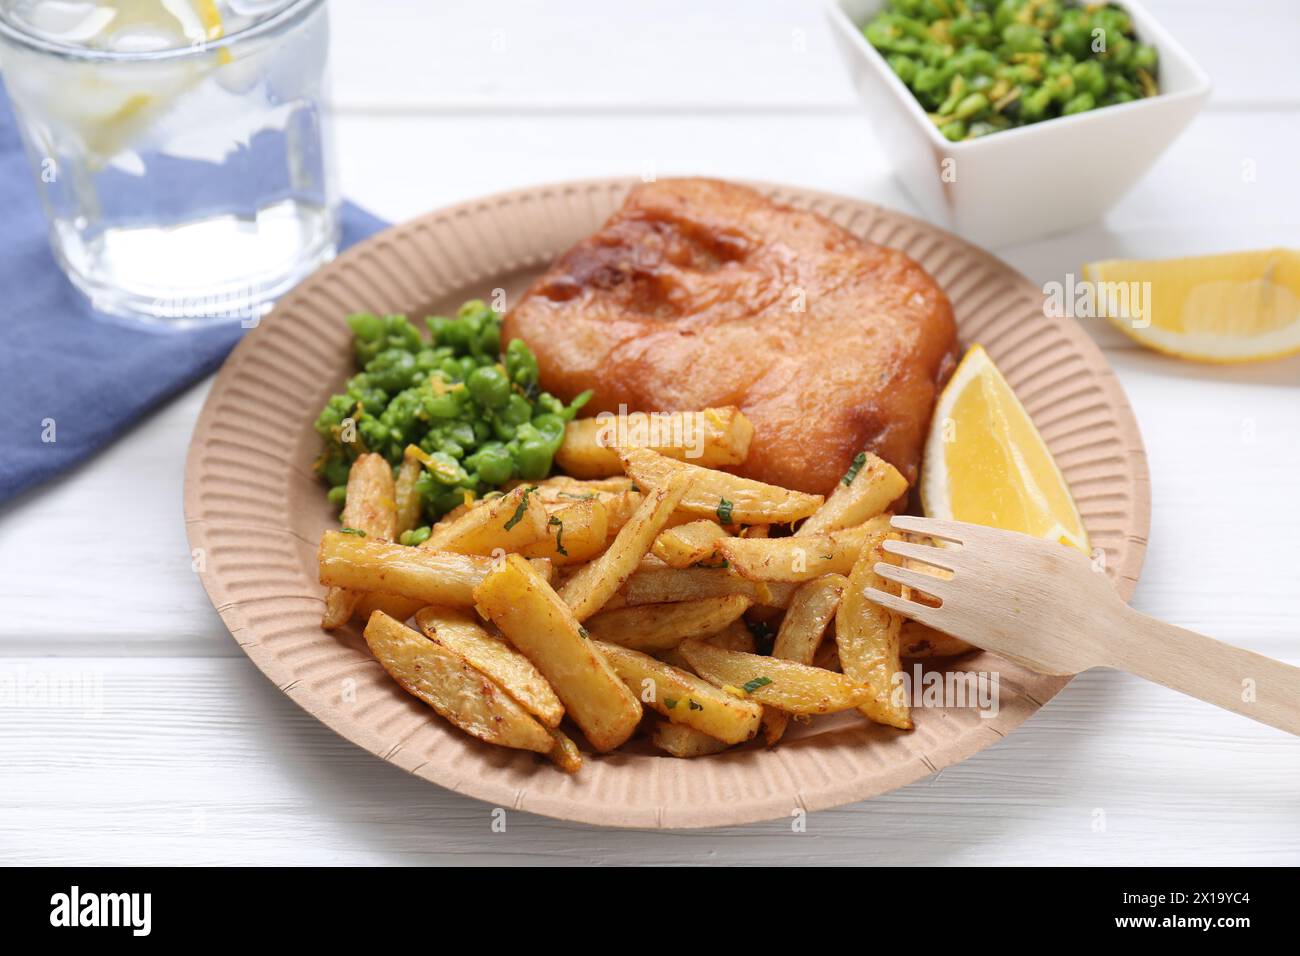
[701, 293]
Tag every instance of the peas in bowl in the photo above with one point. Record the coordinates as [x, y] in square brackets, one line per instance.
[982, 67]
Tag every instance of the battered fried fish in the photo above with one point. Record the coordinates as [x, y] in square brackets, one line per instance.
[701, 293]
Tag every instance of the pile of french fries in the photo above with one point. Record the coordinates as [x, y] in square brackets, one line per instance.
[632, 595]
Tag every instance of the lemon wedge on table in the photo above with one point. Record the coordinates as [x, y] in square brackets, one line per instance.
[1234, 307]
[986, 463]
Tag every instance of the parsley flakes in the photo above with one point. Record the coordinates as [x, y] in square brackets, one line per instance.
[859, 460]
[559, 535]
[518, 516]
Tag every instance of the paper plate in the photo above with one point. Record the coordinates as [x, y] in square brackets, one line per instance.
[255, 513]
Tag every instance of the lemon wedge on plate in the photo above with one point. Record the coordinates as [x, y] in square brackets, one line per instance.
[986, 463]
[1235, 307]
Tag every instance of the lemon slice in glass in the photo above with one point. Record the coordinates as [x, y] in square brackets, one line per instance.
[1235, 307]
[986, 463]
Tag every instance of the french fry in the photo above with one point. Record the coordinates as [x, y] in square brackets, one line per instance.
[867, 637]
[538, 622]
[719, 495]
[679, 740]
[875, 485]
[798, 559]
[588, 590]
[574, 534]
[508, 523]
[695, 542]
[495, 657]
[370, 508]
[620, 507]
[566, 755]
[922, 642]
[713, 438]
[407, 497]
[658, 627]
[773, 682]
[431, 577]
[736, 636]
[667, 585]
[578, 488]
[682, 697]
[450, 685]
[397, 607]
[811, 611]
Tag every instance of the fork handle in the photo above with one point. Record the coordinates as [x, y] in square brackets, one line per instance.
[1250, 684]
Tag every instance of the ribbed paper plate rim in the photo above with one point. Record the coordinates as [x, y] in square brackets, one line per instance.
[255, 511]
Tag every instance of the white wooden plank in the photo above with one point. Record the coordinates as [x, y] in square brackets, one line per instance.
[490, 54]
[1247, 47]
[204, 761]
[457, 55]
[1227, 183]
[462, 157]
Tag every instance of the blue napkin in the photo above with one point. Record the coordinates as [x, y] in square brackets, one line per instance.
[71, 381]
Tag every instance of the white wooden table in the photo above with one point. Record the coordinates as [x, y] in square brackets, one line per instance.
[179, 751]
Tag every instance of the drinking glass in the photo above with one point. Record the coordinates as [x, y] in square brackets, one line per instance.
[179, 147]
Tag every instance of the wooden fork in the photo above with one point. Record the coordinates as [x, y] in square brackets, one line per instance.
[1044, 605]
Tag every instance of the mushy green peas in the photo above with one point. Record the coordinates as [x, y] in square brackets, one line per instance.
[477, 416]
[980, 66]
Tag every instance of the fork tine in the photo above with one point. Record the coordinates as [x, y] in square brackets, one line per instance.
[932, 616]
[939, 557]
[916, 579]
[932, 527]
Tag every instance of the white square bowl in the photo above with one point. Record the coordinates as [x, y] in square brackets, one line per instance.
[1029, 181]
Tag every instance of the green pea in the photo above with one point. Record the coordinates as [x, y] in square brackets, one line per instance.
[476, 310]
[533, 459]
[550, 429]
[489, 386]
[338, 495]
[517, 410]
[1079, 104]
[970, 106]
[493, 463]
[415, 537]
[1089, 77]
[521, 364]
[456, 334]
[441, 406]
[489, 341]
[366, 326]
[904, 66]
[1022, 38]
[954, 131]
[436, 324]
